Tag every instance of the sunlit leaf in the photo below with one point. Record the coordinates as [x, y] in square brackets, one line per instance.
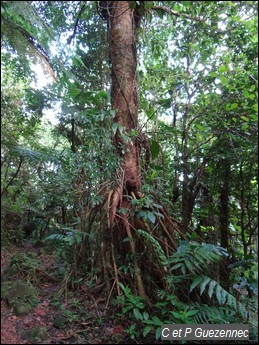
[154, 148]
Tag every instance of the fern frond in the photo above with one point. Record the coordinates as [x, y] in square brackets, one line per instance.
[213, 314]
[27, 33]
[156, 246]
[222, 296]
[212, 285]
[33, 155]
[189, 264]
[196, 282]
[194, 257]
[204, 283]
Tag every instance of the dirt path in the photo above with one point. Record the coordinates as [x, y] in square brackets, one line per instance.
[84, 319]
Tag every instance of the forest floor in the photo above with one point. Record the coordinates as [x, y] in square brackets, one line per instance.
[72, 317]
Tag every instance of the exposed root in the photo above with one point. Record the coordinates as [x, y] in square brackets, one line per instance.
[139, 282]
[108, 209]
[116, 201]
[110, 223]
[109, 297]
[173, 242]
[115, 269]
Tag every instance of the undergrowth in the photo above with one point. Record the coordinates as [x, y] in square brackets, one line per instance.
[193, 295]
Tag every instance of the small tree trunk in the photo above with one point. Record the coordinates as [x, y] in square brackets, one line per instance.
[224, 220]
[185, 193]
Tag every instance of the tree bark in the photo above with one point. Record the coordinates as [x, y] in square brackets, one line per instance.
[224, 220]
[122, 25]
[124, 99]
[124, 88]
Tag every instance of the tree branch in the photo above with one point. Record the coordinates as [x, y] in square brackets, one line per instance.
[175, 13]
[76, 24]
[187, 16]
[4, 191]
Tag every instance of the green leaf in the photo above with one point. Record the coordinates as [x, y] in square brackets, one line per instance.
[205, 281]
[183, 269]
[142, 214]
[145, 315]
[159, 215]
[194, 236]
[212, 285]
[223, 80]
[103, 94]
[246, 119]
[148, 322]
[137, 314]
[223, 296]
[196, 282]
[246, 94]
[160, 13]
[233, 106]
[157, 321]
[158, 333]
[147, 330]
[74, 91]
[125, 138]
[148, 4]
[58, 237]
[186, 3]
[157, 205]
[192, 312]
[213, 74]
[189, 265]
[231, 301]
[177, 315]
[177, 266]
[78, 61]
[154, 149]
[219, 293]
[222, 69]
[116, 126]
[151, 217]
[165, 102]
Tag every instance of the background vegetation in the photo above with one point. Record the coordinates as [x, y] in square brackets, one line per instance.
[195, 223]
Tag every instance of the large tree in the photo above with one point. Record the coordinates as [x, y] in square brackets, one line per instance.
[192, 67]
[122, 29]
[122, 19]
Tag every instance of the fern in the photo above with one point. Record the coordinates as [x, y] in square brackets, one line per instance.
[22, 20]
[56, 237]
[154, 243]
[195, 257]
[222, 296]
[73, 236]
[190, 264]
[211, 314]
[30, 35]
[33, 155]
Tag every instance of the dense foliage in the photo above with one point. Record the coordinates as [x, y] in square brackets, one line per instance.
[195, 228]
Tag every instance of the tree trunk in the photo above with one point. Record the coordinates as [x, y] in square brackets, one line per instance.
[185, 193]
[124, 99]
[121, 21]
[242, 204]
[124, 89]
[224, 220]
